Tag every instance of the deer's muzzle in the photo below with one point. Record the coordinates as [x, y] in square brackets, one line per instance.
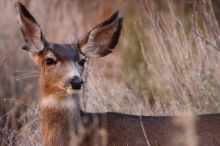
[76, 83]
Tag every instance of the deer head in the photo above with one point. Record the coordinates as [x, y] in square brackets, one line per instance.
[62, 64]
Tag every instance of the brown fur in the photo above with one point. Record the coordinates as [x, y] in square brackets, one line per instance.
[161, 131]
[53, 133]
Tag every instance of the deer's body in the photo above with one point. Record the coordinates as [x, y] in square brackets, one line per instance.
[62, 121]
[115, 129]
[161, 131]
[119, 129]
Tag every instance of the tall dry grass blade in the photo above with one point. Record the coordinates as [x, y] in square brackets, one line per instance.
[2, 66]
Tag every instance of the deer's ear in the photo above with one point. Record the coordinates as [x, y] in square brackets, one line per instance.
[103, 38]
[33, 37]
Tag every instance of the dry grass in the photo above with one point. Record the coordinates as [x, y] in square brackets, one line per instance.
[162, 65]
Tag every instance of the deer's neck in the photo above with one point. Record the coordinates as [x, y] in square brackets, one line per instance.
[60, 117]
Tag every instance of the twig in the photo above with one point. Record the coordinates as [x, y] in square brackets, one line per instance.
[2, 66]
[206, 40]
[195, 31]
[143, 130]
[84, 86]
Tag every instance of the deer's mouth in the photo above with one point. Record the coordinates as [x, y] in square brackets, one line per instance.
[76, 87]
[70, 89]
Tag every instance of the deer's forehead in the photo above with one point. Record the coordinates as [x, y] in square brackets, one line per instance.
[64, 52]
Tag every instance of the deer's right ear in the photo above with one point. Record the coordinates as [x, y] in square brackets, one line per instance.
[103, 38]
[33, 37]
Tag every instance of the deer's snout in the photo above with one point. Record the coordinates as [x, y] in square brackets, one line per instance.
[76, 82]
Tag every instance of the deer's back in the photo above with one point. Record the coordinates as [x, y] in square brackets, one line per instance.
[123, 130]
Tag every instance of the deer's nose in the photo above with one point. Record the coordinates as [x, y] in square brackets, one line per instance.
[76, 82]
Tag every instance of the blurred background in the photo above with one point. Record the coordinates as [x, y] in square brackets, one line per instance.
[167, 61]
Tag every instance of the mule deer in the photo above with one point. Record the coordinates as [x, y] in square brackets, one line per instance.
[63, 123]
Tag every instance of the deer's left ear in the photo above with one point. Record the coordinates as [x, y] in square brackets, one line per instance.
[103, 38]
[34, 40]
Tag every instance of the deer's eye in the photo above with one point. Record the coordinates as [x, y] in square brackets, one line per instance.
[82, 62]
[50, 61]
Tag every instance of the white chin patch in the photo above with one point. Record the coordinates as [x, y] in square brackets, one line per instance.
[71, 91]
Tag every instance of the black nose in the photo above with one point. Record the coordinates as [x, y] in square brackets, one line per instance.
[76, 82]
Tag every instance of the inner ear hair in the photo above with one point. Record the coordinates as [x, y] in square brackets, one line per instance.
[103, 38]
[32, 33]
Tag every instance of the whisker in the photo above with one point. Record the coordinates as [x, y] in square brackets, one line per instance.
[26, 74]
[23, 71]
[26, 77]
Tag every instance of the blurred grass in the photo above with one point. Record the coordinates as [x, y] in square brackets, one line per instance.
[160, 66]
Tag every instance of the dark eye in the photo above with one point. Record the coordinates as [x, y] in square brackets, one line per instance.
[50, 61]
[82, 62]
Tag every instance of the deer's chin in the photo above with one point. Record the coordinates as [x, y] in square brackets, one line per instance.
[71, 91]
